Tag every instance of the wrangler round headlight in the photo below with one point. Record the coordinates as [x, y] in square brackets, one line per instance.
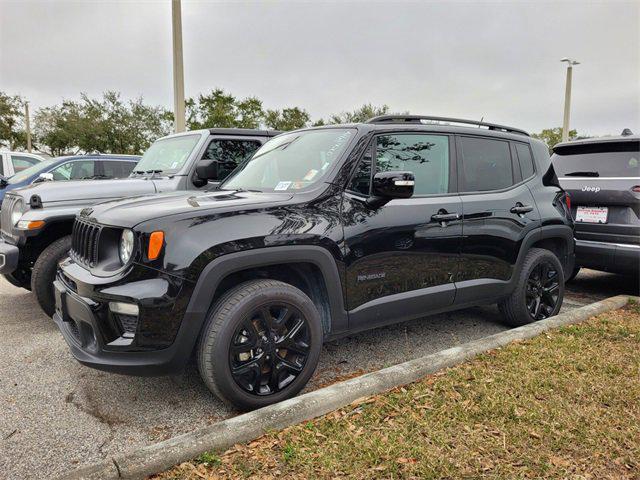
[16, 213]
[126, 246]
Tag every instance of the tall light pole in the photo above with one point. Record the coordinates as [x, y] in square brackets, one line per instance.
[27, 125]
[567, 98]
[178, 69]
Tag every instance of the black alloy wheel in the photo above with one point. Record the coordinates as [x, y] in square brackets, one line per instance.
[269, 349]
[543, 290]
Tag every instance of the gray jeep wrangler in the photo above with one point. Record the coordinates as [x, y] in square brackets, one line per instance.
[36, 221]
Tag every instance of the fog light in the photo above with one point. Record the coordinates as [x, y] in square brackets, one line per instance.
[124, 308]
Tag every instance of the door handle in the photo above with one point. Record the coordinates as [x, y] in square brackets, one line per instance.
[521, 209]
[445, 217]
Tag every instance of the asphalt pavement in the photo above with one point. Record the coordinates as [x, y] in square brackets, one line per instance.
[56, 415]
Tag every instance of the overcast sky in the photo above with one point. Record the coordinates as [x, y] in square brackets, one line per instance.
[494, 60]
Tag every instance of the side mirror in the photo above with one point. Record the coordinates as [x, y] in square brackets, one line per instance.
[44, 177]
[207, 169]
[3, 181]
[389, 185]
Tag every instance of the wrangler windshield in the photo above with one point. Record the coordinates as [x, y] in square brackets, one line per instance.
[167, 155]
[292, 162]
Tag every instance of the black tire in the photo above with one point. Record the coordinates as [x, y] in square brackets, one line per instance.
[229, 316]
[516, 309]
[573, 275]
[15, 282]
[44, 273]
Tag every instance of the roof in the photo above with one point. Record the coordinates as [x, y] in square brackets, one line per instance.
[102, 156]
[249, 132]
[597, 140]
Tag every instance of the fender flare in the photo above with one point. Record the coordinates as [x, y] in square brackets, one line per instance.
[563, 232]
[211, 276]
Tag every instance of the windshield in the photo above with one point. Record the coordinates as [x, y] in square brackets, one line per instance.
[28, 172]
[167, 155]
[606, 160]
[293, 161]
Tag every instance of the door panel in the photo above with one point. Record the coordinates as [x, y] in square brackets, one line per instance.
[397, 256]
[495, 223]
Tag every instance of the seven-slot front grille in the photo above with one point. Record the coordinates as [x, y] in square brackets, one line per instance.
[84, 242]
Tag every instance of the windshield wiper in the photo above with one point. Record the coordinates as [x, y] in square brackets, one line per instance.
[582, 174]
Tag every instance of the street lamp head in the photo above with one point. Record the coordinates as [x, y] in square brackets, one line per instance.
[570, 62]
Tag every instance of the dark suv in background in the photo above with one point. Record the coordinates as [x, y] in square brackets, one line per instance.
[324, 232]
[602, 176]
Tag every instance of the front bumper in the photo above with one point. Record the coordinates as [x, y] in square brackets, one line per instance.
[608, 257]
[87, 325]
[9, 256]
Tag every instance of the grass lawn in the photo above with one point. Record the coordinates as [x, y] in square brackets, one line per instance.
[563, 405]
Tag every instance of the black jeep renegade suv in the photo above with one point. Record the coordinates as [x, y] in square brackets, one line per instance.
[324, 232]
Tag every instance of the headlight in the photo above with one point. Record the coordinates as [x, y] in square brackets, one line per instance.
[126, 246]
[16, 213]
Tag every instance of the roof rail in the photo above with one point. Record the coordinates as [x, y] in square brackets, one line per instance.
[420, 118]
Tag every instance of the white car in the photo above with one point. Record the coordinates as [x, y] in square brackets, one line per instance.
[13, 162]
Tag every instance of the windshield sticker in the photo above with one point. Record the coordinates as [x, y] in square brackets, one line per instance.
[282, 185]
[310, 175]
[174, 165]
[300, 185]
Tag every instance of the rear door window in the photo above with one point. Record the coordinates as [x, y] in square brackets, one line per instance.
[486, 164]
[602, 160]
[21, 162]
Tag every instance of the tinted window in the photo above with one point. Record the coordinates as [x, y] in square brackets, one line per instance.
[486, 164]
[116, 169]
[604, 160]
[21, 163]
[230, 153]
[426, 156]
[525, 159]
[77, 170]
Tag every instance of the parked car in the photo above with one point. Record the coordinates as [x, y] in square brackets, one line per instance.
[324, 232]
[36, 221]
[14, 162]
[77, 167]
[602, 176]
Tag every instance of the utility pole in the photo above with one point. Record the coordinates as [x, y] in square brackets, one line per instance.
[27, 124]
[567, 98]
[178, 68]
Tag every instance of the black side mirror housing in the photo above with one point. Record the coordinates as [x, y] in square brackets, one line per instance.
[207, 169]
[391, 185]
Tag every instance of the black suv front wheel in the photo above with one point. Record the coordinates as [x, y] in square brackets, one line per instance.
[260, 345]
[539, 290]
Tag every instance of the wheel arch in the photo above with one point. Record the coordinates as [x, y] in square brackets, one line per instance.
[558, 239]
[312, 269]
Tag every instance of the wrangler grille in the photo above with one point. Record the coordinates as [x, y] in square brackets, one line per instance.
[84, 242]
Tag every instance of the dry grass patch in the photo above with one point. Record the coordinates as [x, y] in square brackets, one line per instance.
[563, 405]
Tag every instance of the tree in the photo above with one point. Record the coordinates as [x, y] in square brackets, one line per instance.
[286, 119]
[552, 136]
[107, 125]
[362, 114]
[12, 132]
[223, 110]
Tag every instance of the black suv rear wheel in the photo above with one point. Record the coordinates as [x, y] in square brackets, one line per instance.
[539, 291]
[260, 345]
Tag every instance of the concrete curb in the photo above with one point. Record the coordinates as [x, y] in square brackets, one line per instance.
[246, 427]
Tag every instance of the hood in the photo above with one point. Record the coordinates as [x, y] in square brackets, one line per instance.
[132, 211]
[87, 191]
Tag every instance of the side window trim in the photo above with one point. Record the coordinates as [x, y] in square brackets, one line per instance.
[373, 144]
